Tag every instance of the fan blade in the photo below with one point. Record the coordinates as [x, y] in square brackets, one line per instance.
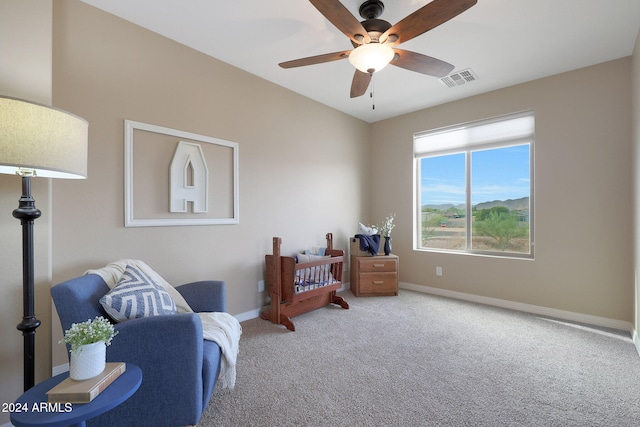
[421, 63]
[342, 19]
[426, 18]
[319, 59]
[360, 83]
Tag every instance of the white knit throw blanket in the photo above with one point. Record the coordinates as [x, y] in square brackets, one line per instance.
[221, 328]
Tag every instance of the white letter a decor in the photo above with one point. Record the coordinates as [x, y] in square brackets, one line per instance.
[189, 178]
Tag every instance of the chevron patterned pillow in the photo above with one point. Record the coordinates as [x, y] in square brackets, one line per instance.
[136, 295]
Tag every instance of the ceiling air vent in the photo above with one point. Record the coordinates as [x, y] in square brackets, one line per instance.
[459, 78]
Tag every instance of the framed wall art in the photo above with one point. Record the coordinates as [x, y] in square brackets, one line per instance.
[175, 178]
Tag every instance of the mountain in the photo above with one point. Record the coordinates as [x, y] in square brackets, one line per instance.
[521, 204]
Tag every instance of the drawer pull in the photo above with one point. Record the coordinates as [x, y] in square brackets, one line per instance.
[378, 265]
[378, 282]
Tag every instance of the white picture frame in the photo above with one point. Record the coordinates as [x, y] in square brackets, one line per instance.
[137, 214]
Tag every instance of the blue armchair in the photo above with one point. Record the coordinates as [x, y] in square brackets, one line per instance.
[179, 368]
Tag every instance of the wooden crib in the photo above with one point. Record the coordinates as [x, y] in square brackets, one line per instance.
[297, 288]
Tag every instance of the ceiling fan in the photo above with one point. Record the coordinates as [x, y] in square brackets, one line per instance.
[374, 39]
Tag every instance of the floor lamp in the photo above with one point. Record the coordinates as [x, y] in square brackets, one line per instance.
[37, 140]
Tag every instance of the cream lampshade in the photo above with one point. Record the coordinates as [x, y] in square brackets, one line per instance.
[51, 142]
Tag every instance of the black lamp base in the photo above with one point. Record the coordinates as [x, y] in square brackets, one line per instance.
[27, 213]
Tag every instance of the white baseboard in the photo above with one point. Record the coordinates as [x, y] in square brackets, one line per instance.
[59, 369]
[636, 340]
[248, 315]
[528, 308]
[512, 305]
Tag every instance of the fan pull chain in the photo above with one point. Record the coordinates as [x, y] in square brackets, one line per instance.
[371, 94]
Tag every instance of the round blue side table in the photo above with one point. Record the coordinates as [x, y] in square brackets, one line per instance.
[61, 414]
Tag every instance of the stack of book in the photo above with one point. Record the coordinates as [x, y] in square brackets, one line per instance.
[73, 391]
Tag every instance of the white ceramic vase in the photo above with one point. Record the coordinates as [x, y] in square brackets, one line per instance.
[88, 361]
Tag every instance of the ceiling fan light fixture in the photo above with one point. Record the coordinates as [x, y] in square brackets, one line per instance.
[371, 57]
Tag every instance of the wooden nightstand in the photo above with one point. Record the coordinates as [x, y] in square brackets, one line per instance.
[374, 275]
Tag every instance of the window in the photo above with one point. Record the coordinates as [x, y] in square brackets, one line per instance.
[474, 187]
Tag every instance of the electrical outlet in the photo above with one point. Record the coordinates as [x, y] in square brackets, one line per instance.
[260, 285]
[438, 271]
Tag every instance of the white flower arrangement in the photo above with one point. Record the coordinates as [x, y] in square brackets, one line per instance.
[89, 332]
[387, 225]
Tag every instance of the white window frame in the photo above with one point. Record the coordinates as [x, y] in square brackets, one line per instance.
[497, 132]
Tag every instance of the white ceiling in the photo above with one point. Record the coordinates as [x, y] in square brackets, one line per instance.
[505, 42]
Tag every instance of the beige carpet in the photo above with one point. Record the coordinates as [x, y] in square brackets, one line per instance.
[422, 360]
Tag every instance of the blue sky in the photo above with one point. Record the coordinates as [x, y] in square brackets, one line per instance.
[497, 174]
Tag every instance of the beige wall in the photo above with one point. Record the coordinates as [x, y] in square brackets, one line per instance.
[303, 166]
[25, 72]
[583, 238]
[636, 181]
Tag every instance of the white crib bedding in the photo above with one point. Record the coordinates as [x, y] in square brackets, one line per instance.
[314, 277]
